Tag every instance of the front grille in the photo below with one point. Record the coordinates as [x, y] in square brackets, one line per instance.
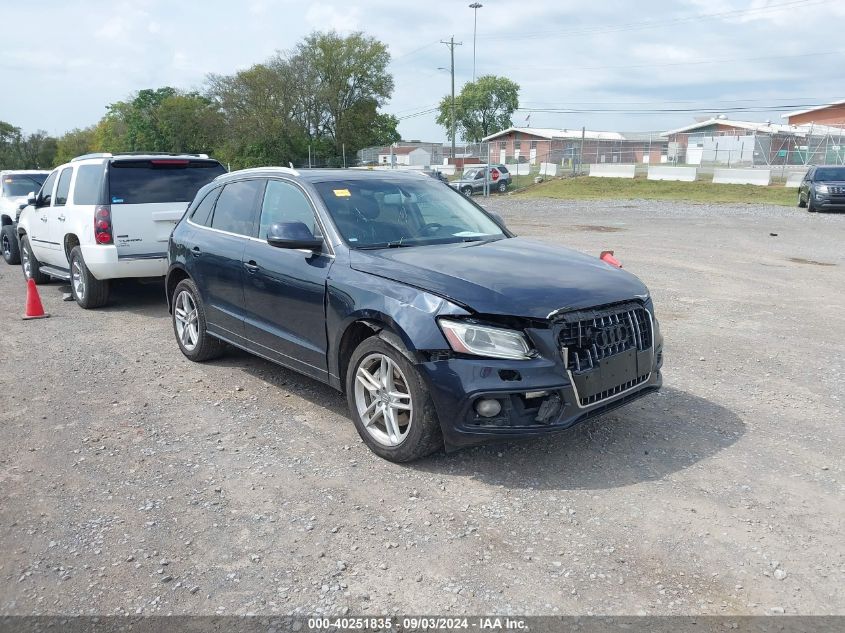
[592, 335]
[608, 393]
[837, 191]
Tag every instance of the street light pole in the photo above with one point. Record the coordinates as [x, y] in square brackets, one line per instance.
[475, 6]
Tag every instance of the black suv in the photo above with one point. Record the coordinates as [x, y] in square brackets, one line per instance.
[823, 188]
[437, 322]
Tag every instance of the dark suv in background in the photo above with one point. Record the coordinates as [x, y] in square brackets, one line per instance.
[437, 322]
[823, 188]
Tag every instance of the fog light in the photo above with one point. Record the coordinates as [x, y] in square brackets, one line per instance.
[488, 407]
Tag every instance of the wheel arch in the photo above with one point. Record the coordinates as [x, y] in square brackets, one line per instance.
[360, 329]
[174, 276]
[5, 220]
[70, 242]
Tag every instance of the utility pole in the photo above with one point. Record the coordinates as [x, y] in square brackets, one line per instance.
[475, 6]
[452, 44]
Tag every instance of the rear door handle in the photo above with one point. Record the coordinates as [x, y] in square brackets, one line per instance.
[251, 266]
[61, 218]
[43, 218]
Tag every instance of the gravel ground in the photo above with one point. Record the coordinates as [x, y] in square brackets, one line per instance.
[133, 481]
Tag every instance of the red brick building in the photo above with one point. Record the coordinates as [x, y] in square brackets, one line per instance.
[832, 114]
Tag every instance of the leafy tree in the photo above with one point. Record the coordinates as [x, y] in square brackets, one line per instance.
[483, 107]
[74, 143]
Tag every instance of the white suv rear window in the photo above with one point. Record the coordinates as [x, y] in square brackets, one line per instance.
[159, 180]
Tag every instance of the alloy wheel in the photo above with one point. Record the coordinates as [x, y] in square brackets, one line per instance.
[383, 399]
[186, 318]
[78, 280]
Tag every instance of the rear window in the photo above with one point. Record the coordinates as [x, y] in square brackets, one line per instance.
[20, 185]
[159, 180]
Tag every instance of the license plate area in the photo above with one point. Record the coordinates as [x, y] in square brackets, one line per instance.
[612, 376]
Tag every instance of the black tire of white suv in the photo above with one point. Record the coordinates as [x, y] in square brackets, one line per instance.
[502, 187]
[88, 291]
[11, 251]
[189, 324]
[30, 265]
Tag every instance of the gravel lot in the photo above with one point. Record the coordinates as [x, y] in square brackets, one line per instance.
[133, 481]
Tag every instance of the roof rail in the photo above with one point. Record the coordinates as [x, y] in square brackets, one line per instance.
[159, 154]
[260, 170]
[93, 155]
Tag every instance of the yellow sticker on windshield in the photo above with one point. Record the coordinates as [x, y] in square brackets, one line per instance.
[342, 193]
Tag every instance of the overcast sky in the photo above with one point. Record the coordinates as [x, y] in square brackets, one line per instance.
[62, 62]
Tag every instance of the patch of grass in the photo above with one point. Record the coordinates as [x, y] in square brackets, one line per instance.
[587, 188]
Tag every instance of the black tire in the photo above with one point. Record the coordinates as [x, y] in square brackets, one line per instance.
[29, 261]
[502, 187]
[811, 208]
[206, 346]
[467, 191]
[10, 246]
[423, 434]
[801, 203]
[88, 291]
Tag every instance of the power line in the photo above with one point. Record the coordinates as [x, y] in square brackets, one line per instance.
[772, 108]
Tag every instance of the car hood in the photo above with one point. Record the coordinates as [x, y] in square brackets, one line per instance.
[516, 276]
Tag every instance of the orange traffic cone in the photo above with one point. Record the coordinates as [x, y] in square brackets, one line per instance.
[34, 309]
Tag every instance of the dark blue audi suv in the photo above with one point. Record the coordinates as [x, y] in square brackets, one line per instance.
[440, 325]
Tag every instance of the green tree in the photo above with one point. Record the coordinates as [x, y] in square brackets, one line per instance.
[10, 138]
[74, 143]
[483, 107]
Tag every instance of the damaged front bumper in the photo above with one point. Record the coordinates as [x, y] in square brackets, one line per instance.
[532, 397]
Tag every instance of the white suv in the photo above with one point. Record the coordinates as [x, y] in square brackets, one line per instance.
[108, 216]
[15, 187]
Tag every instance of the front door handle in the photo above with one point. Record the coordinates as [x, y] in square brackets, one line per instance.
[61, 218]
[195, 251]
[251, 266]
[43, 218]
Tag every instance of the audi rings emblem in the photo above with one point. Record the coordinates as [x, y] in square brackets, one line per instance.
[610, 336]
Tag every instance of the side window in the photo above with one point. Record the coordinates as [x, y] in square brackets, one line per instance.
[63, 189]
[236, 207]
[202, 214]
[45, 196]
[88, 187]
[284, 202]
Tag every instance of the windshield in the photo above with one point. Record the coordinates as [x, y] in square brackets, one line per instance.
[385, 213]
[20, 185]
[830, 173]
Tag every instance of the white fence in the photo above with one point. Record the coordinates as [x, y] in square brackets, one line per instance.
[548, 169]
[612, 170]
[760, 177]
[663, 172]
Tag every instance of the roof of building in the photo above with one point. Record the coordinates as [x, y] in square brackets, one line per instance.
[821, 107]
[554, 133]
[401, 150]
[766, 128]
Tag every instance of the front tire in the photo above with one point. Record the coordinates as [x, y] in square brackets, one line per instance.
[467, 191]
[801, 203]
[30, 265]
[88, 291]
[9, 244]
[189, 324]
[502, 187]
[390, 403]
[811, 208]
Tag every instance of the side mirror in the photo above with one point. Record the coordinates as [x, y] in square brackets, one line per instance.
[293, 235]
[31, 198]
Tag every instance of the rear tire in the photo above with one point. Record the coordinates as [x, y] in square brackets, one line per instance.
[10, 247]
[88, 291]
[189, 324]
[30, 265]
[399, 429]
[502, 187]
